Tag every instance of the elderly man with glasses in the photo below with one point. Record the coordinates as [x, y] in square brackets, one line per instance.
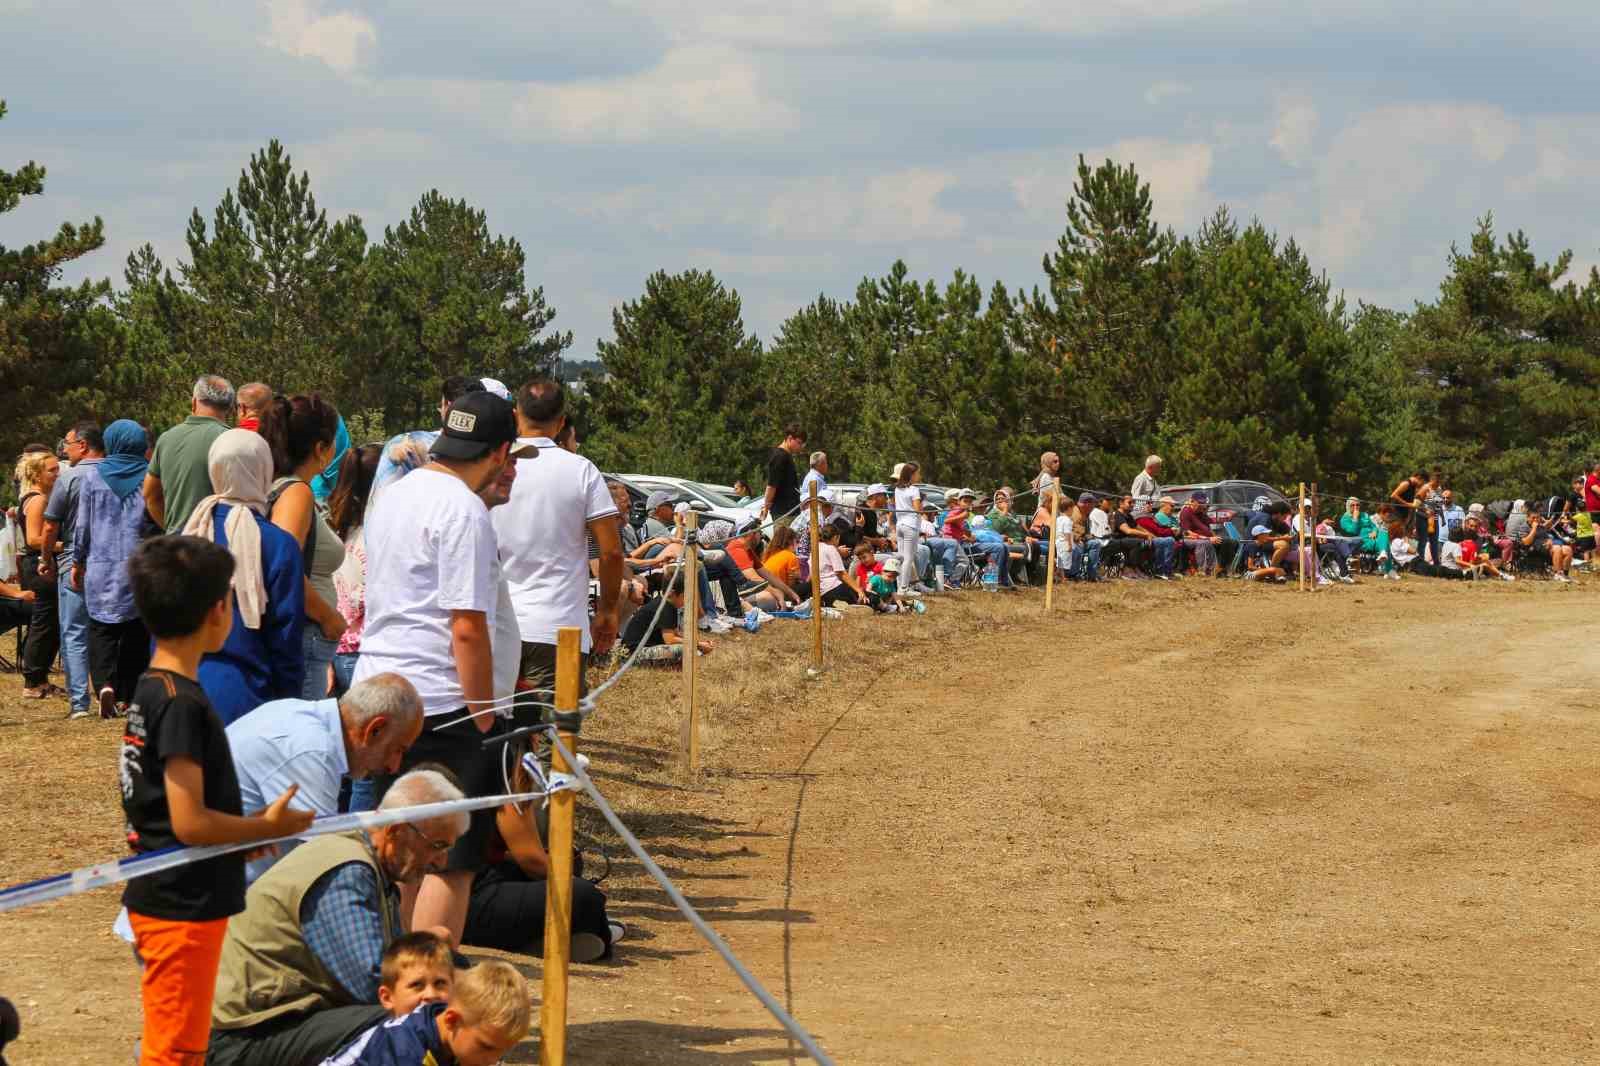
[300, 966]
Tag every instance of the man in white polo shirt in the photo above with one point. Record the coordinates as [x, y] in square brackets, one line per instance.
[557, 503]
[431, 604]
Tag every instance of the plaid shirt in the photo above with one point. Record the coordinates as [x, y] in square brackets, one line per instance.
[343, 927]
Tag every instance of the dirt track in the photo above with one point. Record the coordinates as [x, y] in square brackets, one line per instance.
[1173, 824]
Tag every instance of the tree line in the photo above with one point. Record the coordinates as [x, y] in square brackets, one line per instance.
[1223, 350]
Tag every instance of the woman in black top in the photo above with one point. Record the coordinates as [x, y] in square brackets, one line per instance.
[37, 473]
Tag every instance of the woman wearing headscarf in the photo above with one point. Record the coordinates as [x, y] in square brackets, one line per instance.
[111, 522]
[263, 658]
[323, 485]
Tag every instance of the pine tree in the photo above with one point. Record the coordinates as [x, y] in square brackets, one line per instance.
[52, 337]
[450, 297]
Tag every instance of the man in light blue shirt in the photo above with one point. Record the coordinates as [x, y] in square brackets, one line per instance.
[1451, 517]
[818, 473]
[316, 743]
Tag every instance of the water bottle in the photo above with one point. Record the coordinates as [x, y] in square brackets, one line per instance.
[991, 576]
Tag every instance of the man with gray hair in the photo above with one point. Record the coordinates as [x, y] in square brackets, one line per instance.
[180, 473]
[301, 964]
[817, 473]
[1146, 491]
[317, 743]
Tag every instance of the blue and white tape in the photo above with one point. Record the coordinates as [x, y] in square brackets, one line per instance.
[117, 871]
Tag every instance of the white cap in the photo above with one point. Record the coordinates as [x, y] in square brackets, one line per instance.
[497, 387]
[877, 489]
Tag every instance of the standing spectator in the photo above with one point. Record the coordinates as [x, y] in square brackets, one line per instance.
[818, 472]
[262, 659]
[36, 477]
[111, 522]
[783, 485]
[85, 448]
[179, 788]
[431, 601]
[1147, 487]
[253, 400]
[302, 431]
[347, 509]
[454, 388]
[908, 523]
[1049, 470]
[179, 476]
[558, 502]
[323, 484]
[1450, 516]
[1591, 491]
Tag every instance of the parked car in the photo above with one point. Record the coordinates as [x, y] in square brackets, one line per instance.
[1226, 501]
[719, 505]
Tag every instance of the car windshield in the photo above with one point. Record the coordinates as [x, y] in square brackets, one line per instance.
[710, 495]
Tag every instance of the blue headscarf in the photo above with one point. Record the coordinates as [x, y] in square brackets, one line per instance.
[323, 484]
[124, 466]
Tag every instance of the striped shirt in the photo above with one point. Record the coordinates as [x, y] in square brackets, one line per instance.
[409, 1041]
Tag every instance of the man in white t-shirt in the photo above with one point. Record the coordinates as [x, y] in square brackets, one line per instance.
[431, 606]
[557, 503]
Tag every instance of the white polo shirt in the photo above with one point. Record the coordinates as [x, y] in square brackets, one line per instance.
[430, 551]
[542, 532]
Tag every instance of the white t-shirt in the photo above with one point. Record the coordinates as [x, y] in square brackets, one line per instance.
[543, 536]
[505, 639]
[907, 508]
[1450, 555]
[430, 551]
[1063, 535]
[832, 566]
[1099, 524]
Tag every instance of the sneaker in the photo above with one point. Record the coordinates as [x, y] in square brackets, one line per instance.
[833, 614]
[108, 702]
[718, 625]
[587, 947]
[1563, 578]
[1163, 577]
[1346, 579]
[1251, 575]
[913, 592]
[762, 616]
[77, 713]
[1392, 576]
[618, 932]
[1507, 577]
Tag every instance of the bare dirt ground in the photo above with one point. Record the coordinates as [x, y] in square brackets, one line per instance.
[1191, 823]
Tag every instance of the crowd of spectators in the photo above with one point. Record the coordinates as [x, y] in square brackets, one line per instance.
[293, 625]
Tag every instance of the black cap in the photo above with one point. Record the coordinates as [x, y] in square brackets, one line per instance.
[478, 423]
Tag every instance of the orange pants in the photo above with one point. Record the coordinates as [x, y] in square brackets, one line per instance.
[180, 977]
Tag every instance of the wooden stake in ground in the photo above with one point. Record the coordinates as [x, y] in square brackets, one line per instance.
[1301, 567]
[1315, 501]
[689, 731]
[1050, 563]
[816, 584]
[558, 890]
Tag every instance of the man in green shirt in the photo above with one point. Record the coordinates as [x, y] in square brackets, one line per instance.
[180, 474]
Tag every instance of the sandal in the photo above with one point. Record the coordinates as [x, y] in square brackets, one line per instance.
[39, 693]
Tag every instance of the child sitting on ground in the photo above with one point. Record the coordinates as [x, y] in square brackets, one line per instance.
[866, 564]
[416, 969]
[489, 1012]
[885, 583]
[179, 788]
[659, 637]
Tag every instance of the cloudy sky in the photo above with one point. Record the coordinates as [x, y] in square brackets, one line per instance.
[794, 147]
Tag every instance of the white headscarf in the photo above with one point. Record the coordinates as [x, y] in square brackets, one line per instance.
[240, 464]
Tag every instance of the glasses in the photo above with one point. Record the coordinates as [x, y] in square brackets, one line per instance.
[439, 847]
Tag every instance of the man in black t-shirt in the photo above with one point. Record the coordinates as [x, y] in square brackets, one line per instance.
[783, 483]
[661, 639]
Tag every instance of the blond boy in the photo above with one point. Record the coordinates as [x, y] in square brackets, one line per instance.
[489, 1012]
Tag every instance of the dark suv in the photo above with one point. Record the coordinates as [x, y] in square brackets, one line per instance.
[1226, 501]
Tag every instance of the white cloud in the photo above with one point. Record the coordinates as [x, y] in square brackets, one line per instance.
[343, 40]
[1294, 129]
[1163, 91]
[700, 89]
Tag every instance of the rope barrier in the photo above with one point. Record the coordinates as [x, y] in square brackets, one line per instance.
[117, 871]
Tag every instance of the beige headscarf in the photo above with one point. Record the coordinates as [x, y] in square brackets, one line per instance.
[240, 464]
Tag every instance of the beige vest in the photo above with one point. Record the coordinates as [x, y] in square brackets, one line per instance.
[267, 970]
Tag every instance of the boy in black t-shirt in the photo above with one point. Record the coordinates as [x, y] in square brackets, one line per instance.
[179, 788]
[661, 640]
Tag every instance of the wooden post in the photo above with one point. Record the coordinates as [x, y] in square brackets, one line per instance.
[1313, 522]
[558, 889]
[1300, 563]
[689, 731]
[1050, 564]
[816, 583]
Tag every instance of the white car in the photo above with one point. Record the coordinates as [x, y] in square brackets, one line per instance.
[719, 505]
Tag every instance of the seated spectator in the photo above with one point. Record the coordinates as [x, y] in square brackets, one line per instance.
[875, 520]
[1322, 544]
[802, 525]
[1465, 553]
[739, 564]
[264, 656]
[1009, 527]
[659, 638]
[489, 1012]
[418, 968]
[1371, 538]
[1266, 544]
[943, 553]
[316, 743]
[780, 559]
[301, 965]
[660, 529]
[1140, 544]
[837, 584]
[1538, 541]
[508, 895]
[1194, 526]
